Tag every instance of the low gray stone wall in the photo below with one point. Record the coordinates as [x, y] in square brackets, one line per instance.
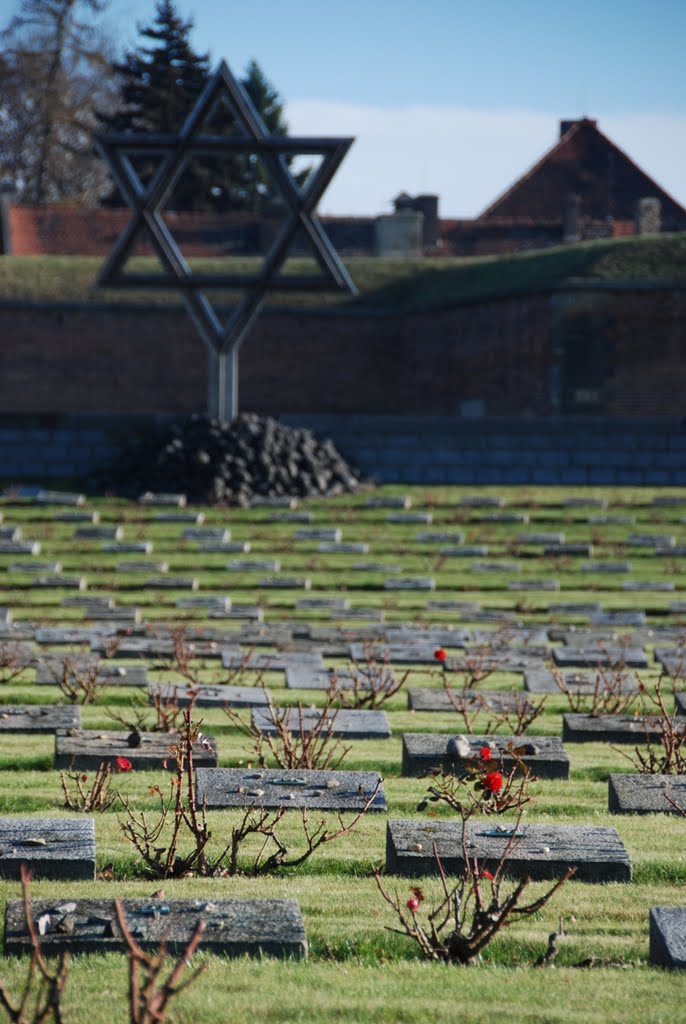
[411, 449]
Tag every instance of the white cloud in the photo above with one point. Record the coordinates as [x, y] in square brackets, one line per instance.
[467, 157]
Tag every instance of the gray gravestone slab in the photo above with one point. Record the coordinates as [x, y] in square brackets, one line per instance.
[580, 657]
[503, 567]
[465, 608]
[331, 604]
[278, 661]
[423, 752]
[121, 616]
[86, 749]
[56, 635]
[262, 565]
[291, 517]
[633, 729]
[417, 634]
[256, 927]
[680, 703]
[374, 567]
[585, 503]
[46, 497]
[542, 680]
[540, 538]
[390, 501]
[129, 547]
[410, 518]
[76, 517]
[300, 677]
[619, 618]
[57, 582]
[505, 517]
[481, 501]
[57, 848]
[99, 533]
[677, 607]
[669, 500]
[677, 551]
[327, 547]
[5, 615]
[533, 585]
[17, 653]
[198, 518]
[609, 568]
[218, 534]
[170, 583]
[38, 717]
[407, 654]
[53, 667]
[35, 567]
[19, 547]
[436, 537]
[133, 647]
[533, 636]
[10, 532]
[468, 551]
[207, 696]
[218, 603]
[142, 567]
[427, 698]
[329, 533]
[667, 928]
[366, 614]
[361, 725]
[650, 540]
[645, 794]
[569, 550]
[152, 498]
[273, 501]
[410, 583]
[290, 788]
[90, 603]
[239, 611]
[648, 585]
[285, 583]
[580, 608]
[540, 851]
[611, 520]
[232, 547]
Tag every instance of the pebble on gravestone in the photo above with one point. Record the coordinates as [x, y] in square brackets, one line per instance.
[667, 928]
[424, 752]
[255, 927]
[344, 723]
[55, 848]
[536, 850]
[290, 788]
[110, 533]
[151, 498]
[646, 794]
[86, 749]
[38, 718]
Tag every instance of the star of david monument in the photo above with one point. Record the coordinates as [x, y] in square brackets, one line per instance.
[147, 197]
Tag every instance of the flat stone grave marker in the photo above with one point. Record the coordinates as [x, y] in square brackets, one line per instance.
[352, 725]
[291, 788]
[291, 517]
[505, 517]
[619, 618]
[19, 547]
[677, 551]
[669, 500]
[86, 749]
[10, 532]
[416, 634]
[494, 661]
[257, 927]
[402, 653]
[285, 583]
[645, 794]
[142, 567]
[528, 636]
[680, 703]
[128, 547]
[409, 518]
[257, 565]
[390, 501]
[410, 583]
[422, 752]
[5, 615]
[429, 698]
[500, 567]
[57, 848]
[568, 550]
[299, 677]
[440, 537]
[232, 547]
[465, 608]
[322, 533]
[47, 497]
[55, 636]
[633, 729]
[19, 654]
[580, 608]
[539, 851]
[162, 498]
[221, 603]
[76, 517]
[585, 503]
[467, 551]
[119, 614]
[35, 567]
[374, 567]
[591, 657]
[611, 520]
[667, 928]
[539, 538]
[51, 669]
[133, 647]
[197, 518]
[171, 583]
[41, 718]
[480, 501]
[249, 612]
[207, 696]
[215, 533]
[331, 604]
[87, 602]
[610, 568]
[344, 547]
[648, 585]
[366, 614]
[650, 540]
[58, 582]
[278, 661]
[273, 501]
[99, 533]
[533, 585]
[542, 680]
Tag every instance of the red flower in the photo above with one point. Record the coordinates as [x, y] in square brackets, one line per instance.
[413, 904]
[485, 753]
[439, 654]
[493, 782]
[487, 874]
[123, 764]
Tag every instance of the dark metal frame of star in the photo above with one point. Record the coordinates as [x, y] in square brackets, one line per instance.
[147, 201]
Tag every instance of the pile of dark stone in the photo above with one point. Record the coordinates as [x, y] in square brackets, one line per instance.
[215, 461]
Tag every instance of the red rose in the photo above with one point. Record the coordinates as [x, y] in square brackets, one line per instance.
[413, 904]
[123, 764]
[493, 782]
[439, 654]
[487, 874]
[485, 753]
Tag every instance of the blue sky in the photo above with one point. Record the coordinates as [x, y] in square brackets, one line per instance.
[457, 97]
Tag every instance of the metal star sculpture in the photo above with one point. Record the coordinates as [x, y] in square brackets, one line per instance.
[250, 137]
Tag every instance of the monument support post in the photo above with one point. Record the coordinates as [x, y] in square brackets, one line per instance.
[222, 383]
